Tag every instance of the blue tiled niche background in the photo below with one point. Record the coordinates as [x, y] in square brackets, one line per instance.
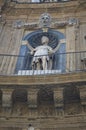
[34, 39]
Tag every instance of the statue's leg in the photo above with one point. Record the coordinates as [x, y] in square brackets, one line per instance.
[44, 63]
[38, 66]
[40, 62]
[33, 66]
[50, 64]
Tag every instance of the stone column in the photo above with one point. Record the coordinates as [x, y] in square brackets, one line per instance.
[58, 100]
[7, 97]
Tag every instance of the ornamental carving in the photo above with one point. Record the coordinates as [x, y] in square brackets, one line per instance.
[45, 21]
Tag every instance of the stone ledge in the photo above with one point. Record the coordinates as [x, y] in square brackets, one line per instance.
[52, 122]
[47, 5]
[43, 79]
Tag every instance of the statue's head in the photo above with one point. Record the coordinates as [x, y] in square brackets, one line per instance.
[45, 40]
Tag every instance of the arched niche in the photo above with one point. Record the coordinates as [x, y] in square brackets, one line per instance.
[34, 40]
[19, 101]
[71, 96]
[45, 101]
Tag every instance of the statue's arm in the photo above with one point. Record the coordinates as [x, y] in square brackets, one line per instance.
[32, 51]
[57, 48]
[50, 50]
[61, 41]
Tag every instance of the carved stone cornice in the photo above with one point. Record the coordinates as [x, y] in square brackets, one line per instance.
[43, 79]
[47, 5]
[13, 8]
[51, 7]
[44, 22]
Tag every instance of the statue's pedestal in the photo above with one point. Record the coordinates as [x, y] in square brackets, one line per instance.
[38, 72]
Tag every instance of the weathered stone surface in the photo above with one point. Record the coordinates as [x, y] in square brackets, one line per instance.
[45, 79]
[27, 99]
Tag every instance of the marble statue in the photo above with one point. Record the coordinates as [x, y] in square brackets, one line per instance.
[42, 55]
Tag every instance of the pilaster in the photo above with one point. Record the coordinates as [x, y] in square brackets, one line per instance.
[58, 100]
[7, 97]
[32, 98]
[83, 97]
[70, 47]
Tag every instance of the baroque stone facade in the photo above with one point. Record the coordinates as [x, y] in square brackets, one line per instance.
[48, 101]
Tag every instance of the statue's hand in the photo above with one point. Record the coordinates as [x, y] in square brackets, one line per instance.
[32, 52]
[50, 52]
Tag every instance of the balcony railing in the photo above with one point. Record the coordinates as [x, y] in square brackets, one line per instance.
[61, 63]
[38, 1]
